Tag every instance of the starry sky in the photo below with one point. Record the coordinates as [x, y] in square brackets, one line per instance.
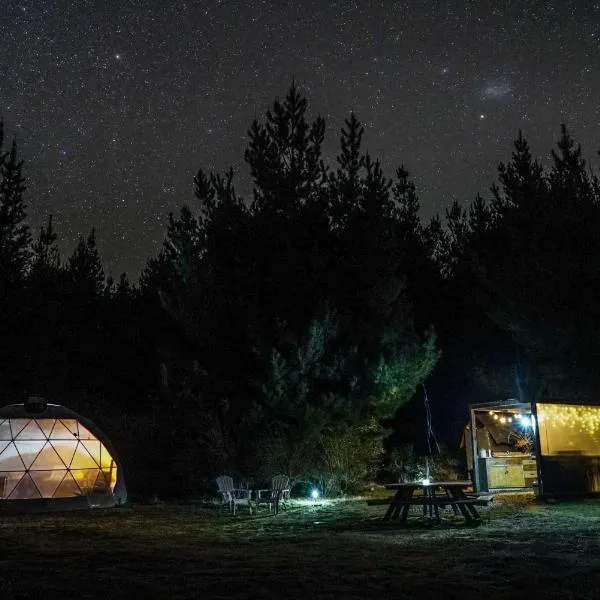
[115, 104]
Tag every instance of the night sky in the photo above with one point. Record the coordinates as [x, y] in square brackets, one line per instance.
[117, 103]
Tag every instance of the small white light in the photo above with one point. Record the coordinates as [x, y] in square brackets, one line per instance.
[426, 481]
[314, 493]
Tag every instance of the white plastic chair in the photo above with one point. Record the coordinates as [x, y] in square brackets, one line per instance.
[277, 494]
[233, 496]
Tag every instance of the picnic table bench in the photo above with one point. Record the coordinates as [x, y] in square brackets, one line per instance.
[434, 495]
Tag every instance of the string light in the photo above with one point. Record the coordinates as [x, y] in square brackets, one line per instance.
[569, 427]
[584, 418]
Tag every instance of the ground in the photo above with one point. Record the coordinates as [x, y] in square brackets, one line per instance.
[339, 549]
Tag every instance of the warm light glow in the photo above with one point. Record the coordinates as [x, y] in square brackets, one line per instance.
[495, 417]
[52, 458]
[502, 420]
[569, 429]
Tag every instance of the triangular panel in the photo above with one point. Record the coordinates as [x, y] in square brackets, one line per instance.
[11, 482]
[25, 489]
[83, 459]
[3, 445]
[29, 450]
[61, 432]
[47, 481]
[106, 460]
[68, 488]
[102, 485]
[31, 431]
[5, 433]
[10, 459]
[47, 460]
[85, 434]
[65, 449]
[71, 425]
[93, 448]
[85, 478]
[16, 425]
[46, 425]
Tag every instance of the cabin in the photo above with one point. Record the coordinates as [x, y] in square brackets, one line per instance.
[549, 446]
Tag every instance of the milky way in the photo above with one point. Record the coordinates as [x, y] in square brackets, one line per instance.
[116, 104]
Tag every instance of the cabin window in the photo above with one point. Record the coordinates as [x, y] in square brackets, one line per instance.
[566, 429]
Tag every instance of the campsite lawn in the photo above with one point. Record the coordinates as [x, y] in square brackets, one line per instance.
[332, 550]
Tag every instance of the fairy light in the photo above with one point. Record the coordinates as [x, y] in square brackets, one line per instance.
[569, 427]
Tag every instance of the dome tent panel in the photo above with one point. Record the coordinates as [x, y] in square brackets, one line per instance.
[67, 488]
[83, 459]
[84, 433]
[5, 434]
[92, 447]
[47, 459]
[16, 426]
[28, 450]
[85, 478]
[31, 431]
[8, 482]
[65, 429]
[25, 489]
[65, 449]
[46, 425]
[10, 459]
[47, 481]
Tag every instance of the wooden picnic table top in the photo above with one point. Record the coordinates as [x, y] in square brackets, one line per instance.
[419, 484]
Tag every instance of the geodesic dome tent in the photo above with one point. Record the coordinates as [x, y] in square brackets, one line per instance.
[51, 458]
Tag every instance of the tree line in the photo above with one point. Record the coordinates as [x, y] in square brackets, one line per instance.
[285, 332]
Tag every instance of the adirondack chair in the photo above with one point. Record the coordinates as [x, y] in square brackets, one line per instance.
[233, 496]
[276, 495]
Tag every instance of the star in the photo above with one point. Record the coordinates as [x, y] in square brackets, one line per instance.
[149, 80]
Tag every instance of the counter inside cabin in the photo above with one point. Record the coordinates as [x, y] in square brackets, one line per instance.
[507, 471]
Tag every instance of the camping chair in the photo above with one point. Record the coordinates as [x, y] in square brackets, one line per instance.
[233, 496]
[279, 492]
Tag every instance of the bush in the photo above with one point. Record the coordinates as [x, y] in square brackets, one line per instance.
[351, 457]
[405, 465]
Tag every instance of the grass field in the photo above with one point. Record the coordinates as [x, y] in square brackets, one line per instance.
[337, 549]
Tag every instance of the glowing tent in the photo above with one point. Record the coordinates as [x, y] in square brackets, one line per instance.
[51, 458]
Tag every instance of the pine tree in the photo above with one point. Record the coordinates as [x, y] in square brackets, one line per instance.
[46, 256]
[84, 268]
[14, 231]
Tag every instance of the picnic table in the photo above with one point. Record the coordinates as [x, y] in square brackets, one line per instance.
[434, 495]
